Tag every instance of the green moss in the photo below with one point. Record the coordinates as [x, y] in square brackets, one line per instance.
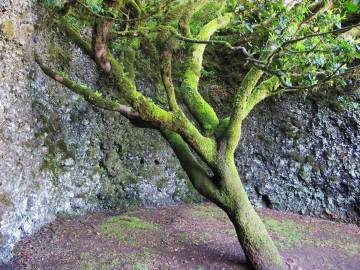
[295, 122]
[266, 139]
[118, 226]
[58, 150]
[8, 29]
[51, 164]
[199, 107]
[162, 183]
[181, 174]
[302, 173]
[341, 242]
[64, 215]
[287, 233]
[335, 105]
[206, 211]
[232, 232]
[351, 248]
[204, 15]
[90, 262]
[310, 159]
[139, 266]
[290, 131]
[334, 178]
[59, 55]
[140, 258]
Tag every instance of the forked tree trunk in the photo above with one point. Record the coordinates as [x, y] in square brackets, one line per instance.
[254, 239]
[229, 194]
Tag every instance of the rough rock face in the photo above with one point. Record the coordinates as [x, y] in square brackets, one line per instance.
[303, 157]
[60, 156]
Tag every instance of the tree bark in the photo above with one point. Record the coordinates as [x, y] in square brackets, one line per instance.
[227, 192]
[254, 239]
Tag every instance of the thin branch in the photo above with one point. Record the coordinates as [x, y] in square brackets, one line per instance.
[314, 10]
[87, 93]
[166, 75]
[292, 41]
[340, 30]
[247, 56]
[303, 87]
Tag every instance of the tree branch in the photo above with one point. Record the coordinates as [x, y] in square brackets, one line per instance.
[295, 40]
[149, 111]
[88, 94]
[166, 75]
[301, 87]
[100, 33]
[233, 131]
[198, 176]
[197, 105]
[262, 91]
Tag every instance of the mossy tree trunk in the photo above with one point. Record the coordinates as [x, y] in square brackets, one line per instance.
[204, 143]
[254, 239]
[226, 191]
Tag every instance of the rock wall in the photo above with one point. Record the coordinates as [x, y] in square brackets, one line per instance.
[304, 156]
[58, 154]
[61, 156]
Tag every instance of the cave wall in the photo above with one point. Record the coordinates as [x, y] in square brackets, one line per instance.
[61, 156]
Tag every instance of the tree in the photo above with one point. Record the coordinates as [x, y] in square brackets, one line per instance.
[294, 47]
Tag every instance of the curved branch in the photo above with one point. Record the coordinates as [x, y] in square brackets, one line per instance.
[262, 91]
[88, 94]
[100, 33]
[197, 105]
[233, 131]
[149, 111]
[303, 87]
[198, 176]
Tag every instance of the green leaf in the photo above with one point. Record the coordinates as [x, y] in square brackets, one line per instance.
[351, 6]
[98, 94]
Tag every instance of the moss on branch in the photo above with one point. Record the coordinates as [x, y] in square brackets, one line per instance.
[147, 109]
[197, 105]
[87, 93]
[262, 91]
[197, 174]
[233, 131]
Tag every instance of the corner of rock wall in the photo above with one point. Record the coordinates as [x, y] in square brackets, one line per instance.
[59, 155]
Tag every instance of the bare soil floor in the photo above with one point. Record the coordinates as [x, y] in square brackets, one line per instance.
[197, 236]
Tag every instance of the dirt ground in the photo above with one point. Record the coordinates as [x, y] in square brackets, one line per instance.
[196, 236]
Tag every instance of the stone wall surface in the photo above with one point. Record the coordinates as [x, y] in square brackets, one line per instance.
[304, 157]
[60, 156]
